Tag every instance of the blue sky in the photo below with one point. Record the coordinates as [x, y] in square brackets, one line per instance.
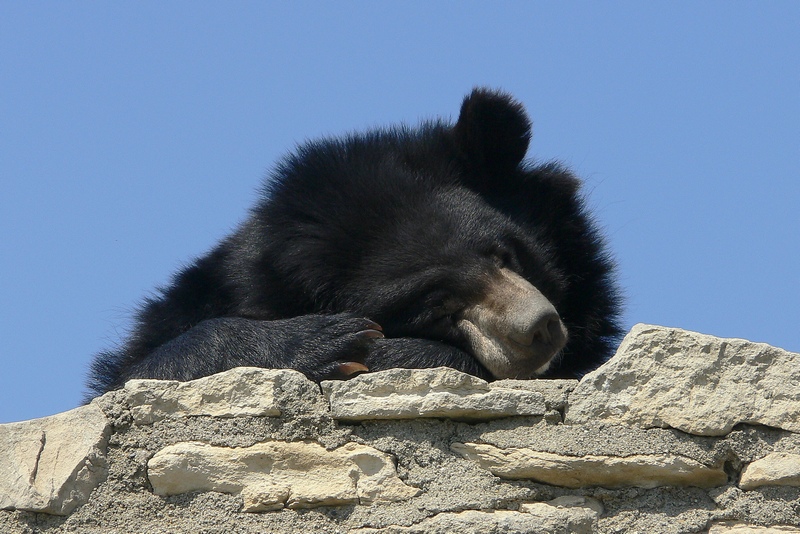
[135, 135]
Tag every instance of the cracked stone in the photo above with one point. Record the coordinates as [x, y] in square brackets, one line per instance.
[640, 470]
[276, 474]
[52, 464]
[439, 392]
[702, 385]
[534, 518]
[243, 391]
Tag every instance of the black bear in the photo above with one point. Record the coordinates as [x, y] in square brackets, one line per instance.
[403, 247]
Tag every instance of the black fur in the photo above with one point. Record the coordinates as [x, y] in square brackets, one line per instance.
[400, 226]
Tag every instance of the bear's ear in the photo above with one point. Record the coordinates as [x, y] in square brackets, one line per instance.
[493, 130]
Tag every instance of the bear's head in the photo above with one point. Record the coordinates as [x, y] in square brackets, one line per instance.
[441, 233]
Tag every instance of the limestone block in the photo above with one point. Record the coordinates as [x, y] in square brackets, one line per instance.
[439, 392]
[52, 464]
[574, 512]
[244, 391]
[703, 385]
[571, 501]
[555, 390]
[640, 470]
[775, 469]
[744, 528]
[538, 518]
[274, 474]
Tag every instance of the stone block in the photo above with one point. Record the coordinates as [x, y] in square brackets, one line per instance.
[440, 392]
[702, 385]
[639, 470]
[555, 390]
[276, 474]
[775, 469]
[735, 527]
[536, 518]
[244, 391]
[571, 501]
[52, 464]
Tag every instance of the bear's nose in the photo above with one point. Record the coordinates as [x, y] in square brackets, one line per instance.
[550, 331]
[543, 329]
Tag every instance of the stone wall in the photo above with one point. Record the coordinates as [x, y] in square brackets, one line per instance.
[679, 432]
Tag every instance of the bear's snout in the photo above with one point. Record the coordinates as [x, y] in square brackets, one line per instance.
[514, 331]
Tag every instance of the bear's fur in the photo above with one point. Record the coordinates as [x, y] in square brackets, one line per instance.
[400, 247]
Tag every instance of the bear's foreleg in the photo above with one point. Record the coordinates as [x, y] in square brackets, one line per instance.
[319, 346]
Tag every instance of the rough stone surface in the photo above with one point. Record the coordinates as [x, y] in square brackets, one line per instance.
[776, 469]
[275, 451]
[240, 392]
[744, 528]
[641, 470]
[275, 474]
[555, 391]
[440, 392]
[537, 518]
[570, 501]
[665, 377]
[599, 439]
[52, 464]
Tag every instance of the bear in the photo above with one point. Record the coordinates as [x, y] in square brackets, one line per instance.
[411, 247]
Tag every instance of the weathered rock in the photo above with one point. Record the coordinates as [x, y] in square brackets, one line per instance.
[274, 474]
[566, 514]
[776, 469]
[703, 385]
[535, 518]
[244, 391]
[220, 443]
[555, 391]
[640, 470]
[744, 528]
[599, 439]
[52, 464]
[571, 501]
[439, 392]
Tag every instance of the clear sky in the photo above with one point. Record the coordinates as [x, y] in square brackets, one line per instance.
[134, 135]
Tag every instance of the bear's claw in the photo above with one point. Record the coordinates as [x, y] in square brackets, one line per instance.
[351, 369]
[372, 333]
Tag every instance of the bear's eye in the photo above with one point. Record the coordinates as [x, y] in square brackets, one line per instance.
[442, 305]
[504, 257]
